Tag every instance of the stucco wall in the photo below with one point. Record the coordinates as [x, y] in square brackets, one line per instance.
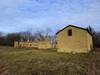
[25, 44]
[41, 44]
[75, 43]
[44, 45]
[89, 42]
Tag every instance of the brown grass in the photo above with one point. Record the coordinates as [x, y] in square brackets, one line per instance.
[14, 61]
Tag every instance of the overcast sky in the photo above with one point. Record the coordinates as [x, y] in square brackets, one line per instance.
[21, 15]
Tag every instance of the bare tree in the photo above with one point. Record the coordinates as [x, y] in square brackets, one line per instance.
[97, 40]
[47, 32]
[39, 35]
[90, 29]
[1, 33]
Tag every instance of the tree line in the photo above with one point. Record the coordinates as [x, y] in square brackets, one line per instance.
[27, 36]
[96, 37]
[8, 39]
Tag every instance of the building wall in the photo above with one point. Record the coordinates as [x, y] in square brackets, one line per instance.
[89, 42]
[44, 45]
[40, 45]
[25, 44]
[75, 43]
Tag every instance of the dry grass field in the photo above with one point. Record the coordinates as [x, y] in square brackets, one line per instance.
[15, 61]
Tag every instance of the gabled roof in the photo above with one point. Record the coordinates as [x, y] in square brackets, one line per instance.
[74, 27]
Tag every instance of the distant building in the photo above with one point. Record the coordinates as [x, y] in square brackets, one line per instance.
[74, 39]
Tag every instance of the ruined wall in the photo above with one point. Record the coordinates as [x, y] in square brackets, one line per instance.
[40, 45]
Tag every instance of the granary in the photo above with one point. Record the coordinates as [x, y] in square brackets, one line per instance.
[74, 39]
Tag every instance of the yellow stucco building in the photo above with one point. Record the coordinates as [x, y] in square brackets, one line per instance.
[74, 39]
